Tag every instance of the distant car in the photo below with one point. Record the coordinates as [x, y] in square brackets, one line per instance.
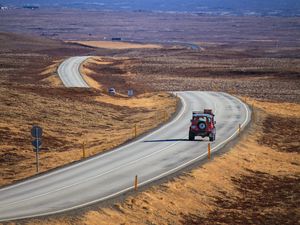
[203, 124]
[111, 91]
[116, 39]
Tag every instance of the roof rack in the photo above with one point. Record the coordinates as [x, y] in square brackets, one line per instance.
[205, 111]
[208, 111]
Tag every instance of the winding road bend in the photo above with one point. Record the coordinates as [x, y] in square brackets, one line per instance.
[154, 156]
[69, 72]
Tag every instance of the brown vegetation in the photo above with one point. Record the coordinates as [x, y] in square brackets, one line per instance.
[68, 119]
[226, 68]
[31, 93]
[282, 133]
[239, 55]
[264, 199]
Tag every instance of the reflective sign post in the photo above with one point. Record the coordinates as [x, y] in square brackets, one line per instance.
[37, 159]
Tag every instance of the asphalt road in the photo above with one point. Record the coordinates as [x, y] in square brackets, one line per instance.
[152, 157]
[159, 154]
[68, 72]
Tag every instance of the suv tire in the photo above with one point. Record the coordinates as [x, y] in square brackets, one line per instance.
[212, 138]
[202, 126]
[191, 136]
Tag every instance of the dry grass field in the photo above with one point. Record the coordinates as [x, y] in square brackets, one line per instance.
[256, 182]
[68, 121]
[271, 76]
[116, 44]
[255, 58]
[31, 93]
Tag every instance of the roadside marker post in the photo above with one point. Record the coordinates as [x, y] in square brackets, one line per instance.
[136, 183]
[208, 151]
[37, 133]
[253, 113]
[135, 130]
[83, 149]
[37, 159]
[166, 115]
[240, 128]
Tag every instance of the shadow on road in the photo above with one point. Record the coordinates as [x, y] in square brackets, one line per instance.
[170, 140]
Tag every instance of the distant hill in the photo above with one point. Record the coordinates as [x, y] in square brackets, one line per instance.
[237, 7]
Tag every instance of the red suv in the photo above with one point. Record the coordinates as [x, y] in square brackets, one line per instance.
[203, 124]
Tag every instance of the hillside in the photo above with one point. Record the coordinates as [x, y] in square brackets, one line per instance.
[31, 93]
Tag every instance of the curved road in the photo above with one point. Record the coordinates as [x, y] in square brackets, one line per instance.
[69, 73]
[152, 157]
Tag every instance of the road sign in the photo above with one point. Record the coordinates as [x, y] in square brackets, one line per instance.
[130, 93]
[37, 143]
[35, 150]
[36, 132]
